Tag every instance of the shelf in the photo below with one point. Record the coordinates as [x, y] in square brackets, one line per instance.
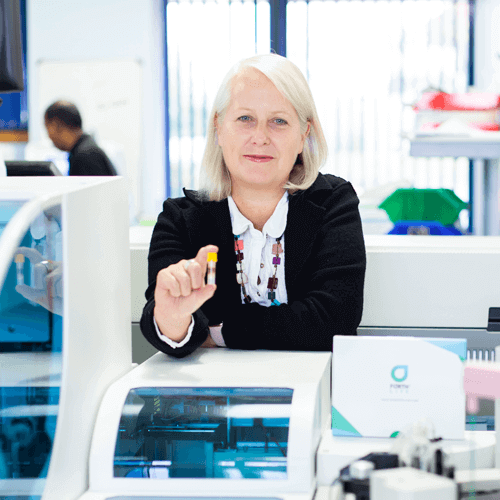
[13, 136]
[485, 146]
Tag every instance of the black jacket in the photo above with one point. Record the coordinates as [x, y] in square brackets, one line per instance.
[87, 158]
[324, 271]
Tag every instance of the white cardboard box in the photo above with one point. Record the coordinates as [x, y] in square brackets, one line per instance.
[380, 385]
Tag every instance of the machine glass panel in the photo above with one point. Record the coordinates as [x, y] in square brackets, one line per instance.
[225, 433]
[30, 356]
[7, 209]
[31, 295]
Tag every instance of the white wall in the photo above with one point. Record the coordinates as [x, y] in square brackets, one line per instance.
[75, 30]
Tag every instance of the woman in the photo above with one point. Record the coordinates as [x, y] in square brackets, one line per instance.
[291, 257]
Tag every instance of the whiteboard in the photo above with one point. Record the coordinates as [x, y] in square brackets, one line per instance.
[108, 94]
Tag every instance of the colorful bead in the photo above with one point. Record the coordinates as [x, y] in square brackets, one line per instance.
[272, 283]
[242, 278]
[277, 248]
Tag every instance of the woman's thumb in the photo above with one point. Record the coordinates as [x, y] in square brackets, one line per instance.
[205, 293]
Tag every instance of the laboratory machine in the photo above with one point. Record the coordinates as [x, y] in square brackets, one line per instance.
[416, 464]
[64, 326]
[219, 423]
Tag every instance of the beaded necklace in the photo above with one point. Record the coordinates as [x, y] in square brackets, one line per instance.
[242, 278]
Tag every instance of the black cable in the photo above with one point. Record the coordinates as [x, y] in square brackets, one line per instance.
[267, 434]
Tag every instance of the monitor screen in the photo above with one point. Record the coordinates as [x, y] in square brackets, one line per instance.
[21, 168]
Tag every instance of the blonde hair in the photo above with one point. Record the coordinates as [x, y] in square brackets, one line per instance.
[215, 182]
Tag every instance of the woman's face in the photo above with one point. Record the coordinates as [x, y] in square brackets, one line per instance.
[260, 136]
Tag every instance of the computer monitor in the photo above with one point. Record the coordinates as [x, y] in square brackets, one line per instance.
[19, 168]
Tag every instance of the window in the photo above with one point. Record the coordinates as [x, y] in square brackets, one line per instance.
[203, 40]
[366, 61]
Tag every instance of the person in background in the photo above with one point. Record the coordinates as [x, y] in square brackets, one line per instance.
[64, 127]
[291, 256]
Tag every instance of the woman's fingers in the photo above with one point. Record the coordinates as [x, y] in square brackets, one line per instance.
[186, 277]
[195, 273]
[180, 291]
[203, 294]
[169, 296]
[194, 269]
[181, 279]
[167, 282]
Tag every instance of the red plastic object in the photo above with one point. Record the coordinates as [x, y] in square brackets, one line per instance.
[474, 101]
[493, 127]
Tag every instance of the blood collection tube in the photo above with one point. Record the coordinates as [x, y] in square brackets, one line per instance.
[211, 260]
[19, 260]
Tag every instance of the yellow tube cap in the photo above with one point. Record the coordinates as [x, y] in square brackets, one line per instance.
[212, 257]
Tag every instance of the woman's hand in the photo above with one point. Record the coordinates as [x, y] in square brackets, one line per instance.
[180, 291]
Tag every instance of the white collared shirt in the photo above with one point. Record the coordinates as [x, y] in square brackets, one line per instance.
[257, 259]
[257, 251]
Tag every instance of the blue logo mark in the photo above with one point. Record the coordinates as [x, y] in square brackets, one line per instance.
[402, 373]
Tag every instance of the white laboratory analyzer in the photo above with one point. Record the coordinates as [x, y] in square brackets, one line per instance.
[219, 423]
[64, 326]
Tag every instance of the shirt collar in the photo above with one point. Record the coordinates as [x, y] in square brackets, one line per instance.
[274, 227]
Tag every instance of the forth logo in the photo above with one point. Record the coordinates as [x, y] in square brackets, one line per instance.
[400, 373]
